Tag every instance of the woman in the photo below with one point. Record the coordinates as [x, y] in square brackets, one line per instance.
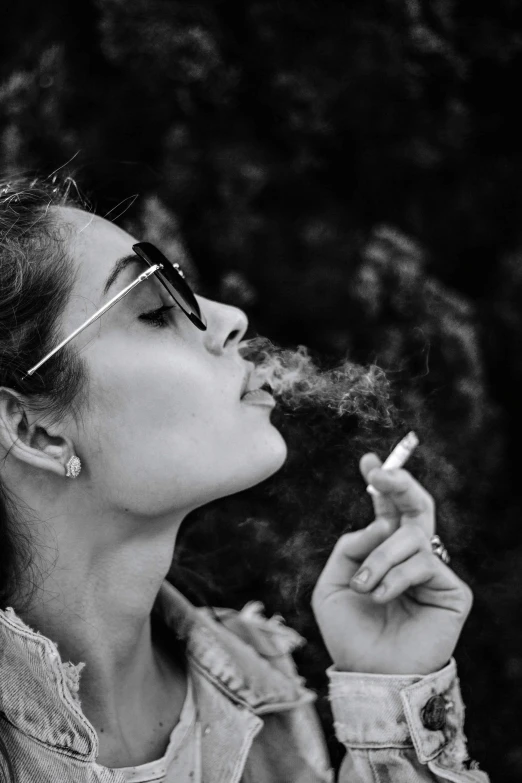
[112, 429]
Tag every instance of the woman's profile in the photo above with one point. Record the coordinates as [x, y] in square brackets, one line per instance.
[125, 404]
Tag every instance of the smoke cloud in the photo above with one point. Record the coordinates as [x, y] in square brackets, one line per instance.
[298, 383]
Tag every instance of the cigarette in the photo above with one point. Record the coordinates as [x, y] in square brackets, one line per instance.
[397, 457]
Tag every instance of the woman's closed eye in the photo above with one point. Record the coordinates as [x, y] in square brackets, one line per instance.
[158, 317]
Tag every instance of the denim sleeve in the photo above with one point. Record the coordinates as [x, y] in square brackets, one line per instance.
[401, 728]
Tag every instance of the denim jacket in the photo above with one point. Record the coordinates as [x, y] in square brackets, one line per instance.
[258, 720]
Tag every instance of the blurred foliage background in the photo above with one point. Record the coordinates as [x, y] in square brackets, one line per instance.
[348, 173]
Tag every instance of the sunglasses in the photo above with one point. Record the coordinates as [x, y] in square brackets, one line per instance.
[171, 278]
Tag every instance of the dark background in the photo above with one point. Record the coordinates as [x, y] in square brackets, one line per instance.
[348, 173]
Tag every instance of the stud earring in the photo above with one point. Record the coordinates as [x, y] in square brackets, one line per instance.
[74, 467]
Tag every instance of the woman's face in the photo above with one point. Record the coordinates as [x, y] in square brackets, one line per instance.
[165, 429]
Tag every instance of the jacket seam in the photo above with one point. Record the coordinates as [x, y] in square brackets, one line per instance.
[374, 771]
[454, 775]
[377, 745]
[307, 697]
[60, 749]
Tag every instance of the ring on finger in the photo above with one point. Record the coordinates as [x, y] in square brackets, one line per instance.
[438, 549]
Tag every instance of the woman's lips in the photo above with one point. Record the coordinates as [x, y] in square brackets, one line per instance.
[258, 397]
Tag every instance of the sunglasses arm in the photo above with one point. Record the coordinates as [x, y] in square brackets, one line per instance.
[96, 315]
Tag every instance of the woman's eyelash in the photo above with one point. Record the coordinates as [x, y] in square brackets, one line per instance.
[157, 317]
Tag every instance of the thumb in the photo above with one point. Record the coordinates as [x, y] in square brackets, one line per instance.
[383, 507]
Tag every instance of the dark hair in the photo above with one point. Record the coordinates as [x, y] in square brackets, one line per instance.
[36, 278]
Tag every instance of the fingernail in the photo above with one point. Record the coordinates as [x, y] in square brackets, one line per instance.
[379, 591]
[361, 576]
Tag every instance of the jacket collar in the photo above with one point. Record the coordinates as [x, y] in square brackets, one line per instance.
[235, 666]
[38, 692]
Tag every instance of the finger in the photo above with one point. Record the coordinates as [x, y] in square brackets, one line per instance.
[383, 506]
[367, 463]
[400, 546]
[432, 581]
[413, 502]
[349, 551]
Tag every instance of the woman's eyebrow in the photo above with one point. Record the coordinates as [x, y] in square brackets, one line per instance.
[120, 265]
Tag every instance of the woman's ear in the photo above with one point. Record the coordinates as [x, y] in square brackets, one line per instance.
[28, 437]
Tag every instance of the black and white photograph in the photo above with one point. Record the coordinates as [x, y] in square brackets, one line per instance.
[260, 391]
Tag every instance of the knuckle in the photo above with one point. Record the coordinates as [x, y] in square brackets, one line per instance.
[427, 560]
[395, 479]
[429, 500]
[402, 478]
[343, 544]
[316, 597]
[396, 579]
[467, 595]
[379, 560]
[418, 536]
[406, 478]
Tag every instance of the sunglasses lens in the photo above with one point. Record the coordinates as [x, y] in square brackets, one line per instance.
[172, 280]
[179, 288]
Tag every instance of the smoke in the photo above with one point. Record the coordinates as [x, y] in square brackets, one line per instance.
[299, 384]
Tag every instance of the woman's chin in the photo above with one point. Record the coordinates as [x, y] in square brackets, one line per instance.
[273, 460]
[268, 458]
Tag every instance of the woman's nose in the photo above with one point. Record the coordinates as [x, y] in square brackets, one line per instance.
[227, 326]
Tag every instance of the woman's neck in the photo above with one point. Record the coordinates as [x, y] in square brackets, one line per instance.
[95, 602]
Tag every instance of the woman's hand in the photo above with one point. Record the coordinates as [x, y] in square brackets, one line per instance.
[406, 616]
